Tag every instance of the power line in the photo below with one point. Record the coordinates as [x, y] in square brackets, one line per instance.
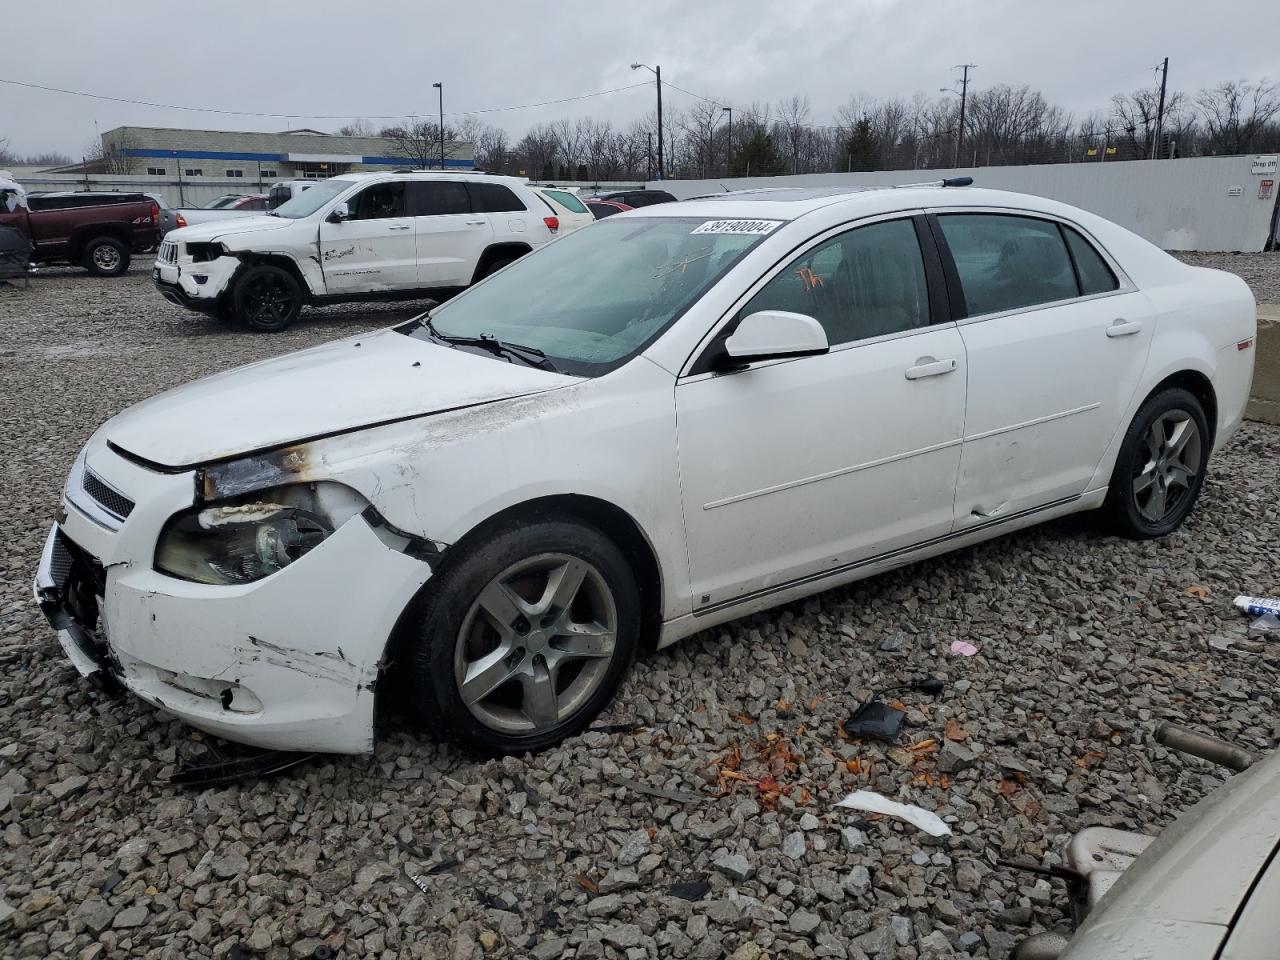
[306, 116]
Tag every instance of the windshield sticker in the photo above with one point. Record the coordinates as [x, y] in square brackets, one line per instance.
[750, 227]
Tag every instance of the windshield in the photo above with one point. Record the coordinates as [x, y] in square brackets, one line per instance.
[220, 202]
[311, 199]
[592, 300]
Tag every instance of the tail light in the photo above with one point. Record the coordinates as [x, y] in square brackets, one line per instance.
[155, 213]
[179, 219]
[553, 223]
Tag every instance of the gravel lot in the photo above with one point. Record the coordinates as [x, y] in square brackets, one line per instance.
[1084, 643]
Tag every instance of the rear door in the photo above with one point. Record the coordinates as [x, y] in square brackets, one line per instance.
[450, 235]
[373, 249]
[1056, 338]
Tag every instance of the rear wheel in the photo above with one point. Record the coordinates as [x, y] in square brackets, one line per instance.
[267, 298]
[105, 257]
[1161, 466]
[525, 637]
[496, 264]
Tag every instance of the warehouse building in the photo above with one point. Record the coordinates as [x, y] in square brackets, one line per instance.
[264, 157]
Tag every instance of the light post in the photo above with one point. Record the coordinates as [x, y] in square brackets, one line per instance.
[728, 157]
[440, 87]
[657, 72]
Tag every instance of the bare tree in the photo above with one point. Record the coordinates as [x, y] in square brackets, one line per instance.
[418, 142]
[113, 158]
[793, 119]
[358, 127]
[699, 138]
[1237, 114]
[536, 153]
[5, 155]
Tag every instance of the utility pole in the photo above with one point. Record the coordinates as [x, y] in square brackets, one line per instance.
[657, 73]
[648, 157]
[1164, 83]
[963, 94]
[440, 87]
[728, 157]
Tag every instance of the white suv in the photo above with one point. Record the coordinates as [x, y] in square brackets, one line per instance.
[361, 236]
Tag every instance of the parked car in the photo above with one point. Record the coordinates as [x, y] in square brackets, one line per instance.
[605, 208]
[286, 190]
[354, 237]
[1205, 889]
[99, 231]
[565, 206]
[220, 209]
[638, 198]
[670, 420]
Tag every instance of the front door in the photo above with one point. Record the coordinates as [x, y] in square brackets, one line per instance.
[1056, 342]
[797, 470]
[374, 249]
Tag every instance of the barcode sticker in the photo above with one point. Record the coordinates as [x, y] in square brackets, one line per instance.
[750, 227]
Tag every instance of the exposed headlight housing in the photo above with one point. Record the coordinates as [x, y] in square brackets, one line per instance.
[250, 537]
[204, 252]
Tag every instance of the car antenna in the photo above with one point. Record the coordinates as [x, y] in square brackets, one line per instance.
[949, 182]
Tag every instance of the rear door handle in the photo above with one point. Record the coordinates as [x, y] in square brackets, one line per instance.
[400, 226]
[929, 367]
[1123, 328]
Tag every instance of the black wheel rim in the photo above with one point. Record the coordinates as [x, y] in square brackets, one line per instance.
[268, 300]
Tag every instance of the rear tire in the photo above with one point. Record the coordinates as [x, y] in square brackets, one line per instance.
[266, 298]
[105, 257]
[497, 264]
[523, 638]
[1160, 469]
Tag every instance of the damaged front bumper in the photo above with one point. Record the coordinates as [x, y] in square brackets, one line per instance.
[196, 286]
[287, 663]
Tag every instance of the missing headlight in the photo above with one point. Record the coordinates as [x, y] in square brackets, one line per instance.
[251, 537]
[204, 252]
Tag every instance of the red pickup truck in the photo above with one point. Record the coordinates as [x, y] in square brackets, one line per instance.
[99, 231]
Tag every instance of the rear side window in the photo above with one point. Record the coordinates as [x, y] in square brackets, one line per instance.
[1007, 262]
[567, 199]
[1095, 276]
[493, 198]
[434, 198]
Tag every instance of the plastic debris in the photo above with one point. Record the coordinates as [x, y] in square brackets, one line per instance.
[930, 823]
[693, 890]
[1266, 623]
[1258, 606]
[227, 763]
[963, 648]
[876, 721]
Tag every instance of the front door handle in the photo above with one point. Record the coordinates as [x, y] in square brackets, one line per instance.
[399, 226]
[475, 223]
[929, 367]
[1123, 328]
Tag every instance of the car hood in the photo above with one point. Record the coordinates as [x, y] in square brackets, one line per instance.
[219, 227]
[335, 388]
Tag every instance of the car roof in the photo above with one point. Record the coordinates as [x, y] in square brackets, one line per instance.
[434, 175]
[789, 203]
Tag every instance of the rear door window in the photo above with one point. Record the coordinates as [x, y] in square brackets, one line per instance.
[493, 198]
[1095, 276]
[434, 198]
[1007, 262]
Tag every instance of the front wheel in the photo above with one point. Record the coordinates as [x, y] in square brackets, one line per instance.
[266, 298]
[525, 637]
[105, 257]
[1161, 466]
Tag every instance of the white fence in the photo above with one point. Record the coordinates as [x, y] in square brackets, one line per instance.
[1200, 203]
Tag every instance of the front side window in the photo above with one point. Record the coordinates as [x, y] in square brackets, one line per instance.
[595, 298]
[307, 201]
[1006, 262]
[493, 198]
[382, 201]
[435, 198]
[867, 282]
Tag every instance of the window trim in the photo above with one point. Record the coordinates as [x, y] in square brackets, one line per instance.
[701, 362]
[955, 291]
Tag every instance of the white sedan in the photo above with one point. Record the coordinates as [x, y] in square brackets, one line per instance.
[683, 415]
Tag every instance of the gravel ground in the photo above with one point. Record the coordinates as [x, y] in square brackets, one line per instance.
[722, 787]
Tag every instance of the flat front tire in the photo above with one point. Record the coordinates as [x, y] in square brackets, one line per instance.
[525, 637]
[266, 298]
[1161, 466]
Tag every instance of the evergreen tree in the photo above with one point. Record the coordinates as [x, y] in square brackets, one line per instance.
[862, 149]
[758, 157]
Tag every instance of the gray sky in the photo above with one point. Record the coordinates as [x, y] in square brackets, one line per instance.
[382, 57]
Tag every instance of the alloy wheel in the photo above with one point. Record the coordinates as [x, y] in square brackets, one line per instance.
[1163, 479]
[106, 257]
[268, 298]
[536, 643]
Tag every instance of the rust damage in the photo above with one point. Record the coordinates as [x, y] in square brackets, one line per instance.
[291, 464]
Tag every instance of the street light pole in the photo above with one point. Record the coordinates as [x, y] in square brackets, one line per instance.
[657, 73]
[440, 87]
[728, 157]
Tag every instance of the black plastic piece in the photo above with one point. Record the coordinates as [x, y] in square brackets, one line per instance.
[233, 763]
[958, 182]
[876, 721]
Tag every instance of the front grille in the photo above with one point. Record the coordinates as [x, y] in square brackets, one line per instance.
[60, 562]
[116, 504]
[168, 252]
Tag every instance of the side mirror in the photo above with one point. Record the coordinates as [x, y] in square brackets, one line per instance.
[339, 213]
[776, 333]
